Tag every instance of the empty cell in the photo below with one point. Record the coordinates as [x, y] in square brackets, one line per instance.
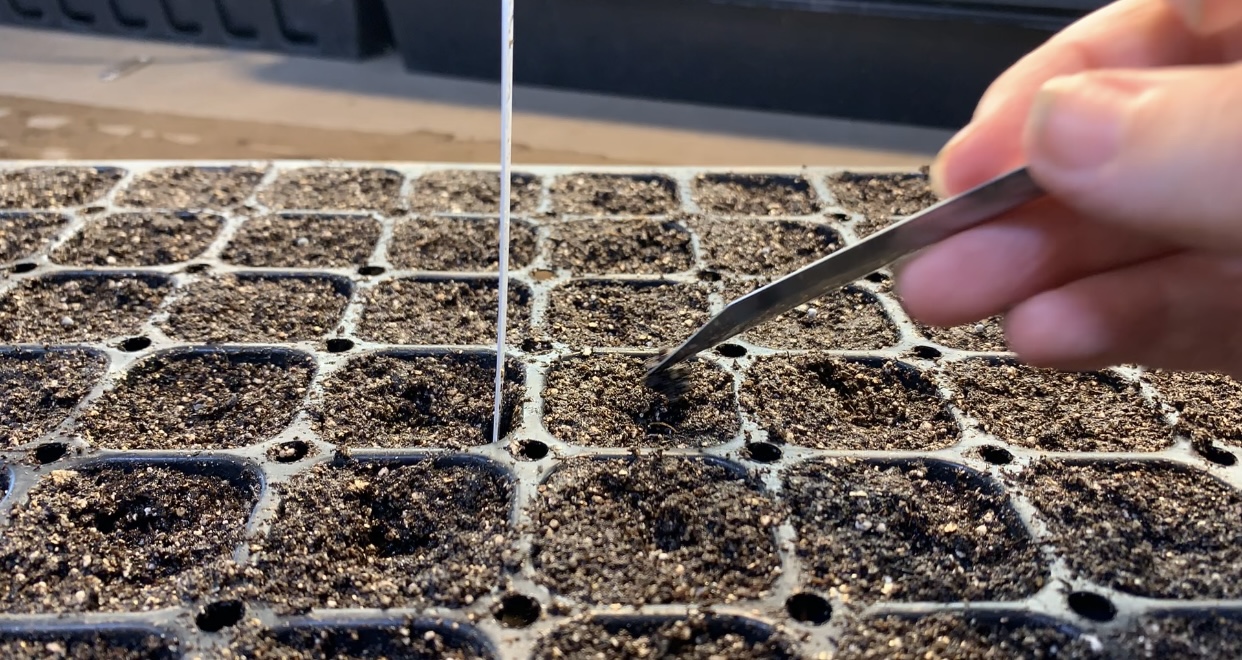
[1058, 411]
[38, 390]
[123, 537]
[1208, 405]
[764, 247]
[462, 244]
[654, 529]
[333, 189]
[189, 187]
[473, 191]
[154, 238]
[54, 187]
[621, 246]
[249, 308]
[295, 240]
[986, 336]
[964, 637]
[134, 644]
[845, 403]
[638, 314]
[881, 198]
[199, 400]
[848, 320]
[23, 234]
[698, 636]
[614, 194]
[78, 307]
[414, 640]
[1201, 635]
[910, 531]
[755, 194]
[410, 311]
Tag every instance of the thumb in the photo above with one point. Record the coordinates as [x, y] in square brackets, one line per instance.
[1159, 152]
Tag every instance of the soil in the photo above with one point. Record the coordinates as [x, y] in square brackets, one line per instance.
[913, 531]
[1209, 405]
[461, 244]
[764, 247]
[55, 187]
[987, 336]
[654, 530]
[409, 642]
[333, 189]
[755, 194]
[78, 308]
[881, 198]
[232, 308]
[39, 389]
[1154, 530]
[614, 194]
[51, 646]
[416, 535]
[849, 320]
[185, 187]
[23, 234]
[394, 400]
[840, 403]
[648, 315]
[601, 401]
[466, 191]
[621, 246]
[944, 635]
[1058, 411]
[110, 539]
[304, 241]
[189, 400]
[1205, 637]
[140, 239]
[442, 312]
[696, 638]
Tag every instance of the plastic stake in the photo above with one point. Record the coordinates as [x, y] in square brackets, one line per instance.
[506, 153]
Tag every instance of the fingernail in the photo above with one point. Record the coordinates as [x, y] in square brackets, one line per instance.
[937, 174]
[1077, 122]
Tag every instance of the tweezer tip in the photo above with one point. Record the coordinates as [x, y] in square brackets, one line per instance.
[671, 380]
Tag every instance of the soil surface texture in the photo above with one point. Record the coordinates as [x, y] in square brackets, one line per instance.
[764, 247]
[53, 187]
[39, 389]
[1209, 405]
[1207, 637]
[755, 194]
[1058, 411]
[987, 336]
[614, 194]
[333, 189]
[415, 535]
[296, 240]
[77, 308]
[368, 643]
[1146, 529]
[649, 315]
[654, 530]
[917, 531]
[233, 308]
[442, 312]
[185, 187]
[837, 403]
[849, 320]
[621, 246]
[23, 234]
[696, 638]
[881, 198]
[113, 539]
[462, 244]
[212, 400]
[601, 401]
[945, 636]
[394, 400]
[466, 191]
[85, 647]
[153, 238]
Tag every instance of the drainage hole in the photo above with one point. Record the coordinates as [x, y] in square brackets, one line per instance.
[1092, 606]
[763, 452]
[542, 275]
[340, 345]
[371, 271]
[289, 452]
[926, 352]
[533, 449]
[135, 344]
[731, 350]
[517, 611]
[996, 455]
[197, 268]
[710, 276]
[24, 267]
[809, 608]
[218, 616]
[878, 278]
[50, 452]
[1215, 454]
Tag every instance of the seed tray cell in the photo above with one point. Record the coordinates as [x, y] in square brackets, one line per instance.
[407, 639]
[139, 239]
[642, 247]
[333, 189]
[755, 194]
[965, 637]
[296, 240]
[56, 187]
[22, 234]
[641, 314]
[764, 247]
[459, 244]
[614, 194]
[1198, 636]
[78, 307]
[441, 311]
[881, 199]
[849, 320]
[697, 637]
[1209, 406]
[188, 187]
[257, 308]
[39, 388]
[473, 192]
[87, 644]
[987, 336]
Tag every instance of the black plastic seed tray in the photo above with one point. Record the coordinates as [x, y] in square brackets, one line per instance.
[245, 412]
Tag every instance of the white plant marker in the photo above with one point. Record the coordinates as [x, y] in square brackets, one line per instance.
[506, 149]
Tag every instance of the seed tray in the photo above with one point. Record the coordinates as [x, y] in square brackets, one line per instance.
[840, 483]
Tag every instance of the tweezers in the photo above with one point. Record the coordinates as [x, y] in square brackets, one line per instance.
[903, 238]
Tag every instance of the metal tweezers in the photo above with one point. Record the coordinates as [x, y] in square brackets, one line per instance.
[905, 237]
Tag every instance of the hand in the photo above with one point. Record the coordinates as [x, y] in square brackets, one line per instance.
[1132, 120]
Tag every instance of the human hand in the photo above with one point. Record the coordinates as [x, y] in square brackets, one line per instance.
[1131, 119]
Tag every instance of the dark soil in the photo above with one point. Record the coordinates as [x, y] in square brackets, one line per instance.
[917, 531]
[184, 187]
[303, 241]
[654, 530]
[985, 336]
[850, 320]
[140, 239]
[614, 194]
[394, 400]
[212, 400]
[416, 535]
[755, 194]
[333, 189]
[601, 401]
[1153, 530]
[1209, 405]
[51, 646]
[469, 244]
[960, 637]
[112, 539]
[77, 308]
[442, 312]
[621, 246]
[232, 308]
[53, 187]
[881, 198]
[838, 403]
[39, 389]
[408, 642]
[1058, 411]
[1206, 637]
[466, 191]
[23, 234]
[696, 638]
[626, 314]
[764, 247]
